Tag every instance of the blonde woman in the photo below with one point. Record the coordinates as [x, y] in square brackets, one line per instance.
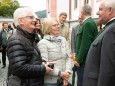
[53, 48]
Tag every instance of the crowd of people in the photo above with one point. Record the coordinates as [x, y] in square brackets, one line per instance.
[40, 52]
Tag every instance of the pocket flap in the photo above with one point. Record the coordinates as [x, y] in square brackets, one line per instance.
[93, 75]
[14, 81]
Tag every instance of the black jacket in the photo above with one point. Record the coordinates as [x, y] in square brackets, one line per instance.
[21, 49]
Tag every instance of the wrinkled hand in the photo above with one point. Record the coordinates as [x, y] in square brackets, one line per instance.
[76, 63]
[65, 75]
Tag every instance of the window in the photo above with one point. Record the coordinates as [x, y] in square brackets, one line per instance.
[86, 1]
[75, 4]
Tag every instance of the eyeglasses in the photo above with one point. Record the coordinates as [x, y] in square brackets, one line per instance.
[30, 17]
[56, 25]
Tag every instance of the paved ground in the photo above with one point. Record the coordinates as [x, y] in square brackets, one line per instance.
[3, 74]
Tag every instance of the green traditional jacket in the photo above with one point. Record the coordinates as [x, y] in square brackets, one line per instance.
[84, 38]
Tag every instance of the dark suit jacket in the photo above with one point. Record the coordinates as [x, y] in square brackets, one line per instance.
[73, 36]
[100, 63]
[84, 38]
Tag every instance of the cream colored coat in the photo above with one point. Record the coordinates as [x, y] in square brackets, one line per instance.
[55, 49]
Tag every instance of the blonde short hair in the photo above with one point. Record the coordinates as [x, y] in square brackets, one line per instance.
[47, 23]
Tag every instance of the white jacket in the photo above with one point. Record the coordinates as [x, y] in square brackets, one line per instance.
[55, 49]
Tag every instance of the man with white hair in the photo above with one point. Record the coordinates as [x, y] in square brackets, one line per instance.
[100, 62]
[25, 60]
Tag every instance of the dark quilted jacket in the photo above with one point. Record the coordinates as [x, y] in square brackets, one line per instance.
[21, 50]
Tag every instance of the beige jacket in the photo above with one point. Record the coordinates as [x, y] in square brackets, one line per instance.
[64, 31]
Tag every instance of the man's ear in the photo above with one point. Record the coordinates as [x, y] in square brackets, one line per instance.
[110, 10]
[20, 20]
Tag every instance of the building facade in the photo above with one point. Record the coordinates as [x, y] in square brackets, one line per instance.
[71, 7]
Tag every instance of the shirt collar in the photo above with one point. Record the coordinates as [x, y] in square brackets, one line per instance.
[86, 19]
[110, 20]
